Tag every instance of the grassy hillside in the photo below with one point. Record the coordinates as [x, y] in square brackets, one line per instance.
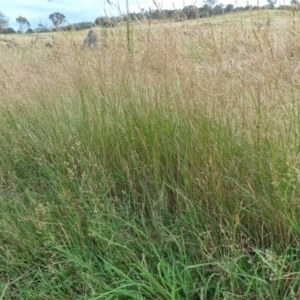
[248, 18]
[167, 172]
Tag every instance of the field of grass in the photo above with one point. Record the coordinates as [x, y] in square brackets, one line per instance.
[170, 171]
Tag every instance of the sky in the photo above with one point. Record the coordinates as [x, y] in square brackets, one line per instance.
[38, 11]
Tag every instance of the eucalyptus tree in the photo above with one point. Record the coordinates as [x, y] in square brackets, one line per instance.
[4, 21]
[23, 23]
[57, 19]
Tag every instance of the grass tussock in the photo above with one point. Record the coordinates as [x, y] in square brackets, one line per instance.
[167, 172]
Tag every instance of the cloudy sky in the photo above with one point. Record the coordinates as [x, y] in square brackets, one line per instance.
[38, 11]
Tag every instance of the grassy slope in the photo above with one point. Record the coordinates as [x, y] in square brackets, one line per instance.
[274, 16]
[169, 174]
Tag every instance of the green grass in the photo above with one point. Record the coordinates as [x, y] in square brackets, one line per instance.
[126, 177]
[114, 200]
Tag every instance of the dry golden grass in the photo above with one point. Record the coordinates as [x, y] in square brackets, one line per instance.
[226, 63]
